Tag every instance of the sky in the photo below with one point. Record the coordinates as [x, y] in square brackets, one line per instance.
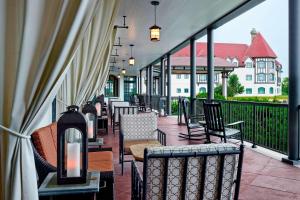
[270, 18]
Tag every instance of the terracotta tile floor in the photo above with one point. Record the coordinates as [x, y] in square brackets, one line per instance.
[262, 178]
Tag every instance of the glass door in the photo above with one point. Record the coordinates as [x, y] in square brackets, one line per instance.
[129, 87]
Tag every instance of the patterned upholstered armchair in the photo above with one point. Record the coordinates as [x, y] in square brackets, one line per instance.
[122, 110]
[206, 171]
[138, 129]
[116, 104]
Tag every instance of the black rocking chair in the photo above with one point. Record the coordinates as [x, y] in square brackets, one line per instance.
[195, 124]
[215, 124]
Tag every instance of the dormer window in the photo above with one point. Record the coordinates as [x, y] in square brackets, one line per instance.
[248, 64]
[235, 62]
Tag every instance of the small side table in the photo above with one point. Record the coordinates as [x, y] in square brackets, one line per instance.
[103, 123]
[50, 189]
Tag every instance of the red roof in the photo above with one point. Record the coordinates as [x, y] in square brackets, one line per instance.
[200, 61]
[259, 48]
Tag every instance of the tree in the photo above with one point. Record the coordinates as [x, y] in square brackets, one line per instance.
[234, 86]
[285, 86]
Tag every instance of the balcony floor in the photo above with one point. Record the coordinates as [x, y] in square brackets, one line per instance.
[263, 177]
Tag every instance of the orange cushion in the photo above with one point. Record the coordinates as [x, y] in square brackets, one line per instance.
[100, 161]
[45, 142]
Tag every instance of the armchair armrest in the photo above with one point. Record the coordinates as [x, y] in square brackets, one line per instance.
[136, 182]
[235, 123]
[161, 137]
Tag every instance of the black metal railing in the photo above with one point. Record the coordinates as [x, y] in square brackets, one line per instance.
[266, 124]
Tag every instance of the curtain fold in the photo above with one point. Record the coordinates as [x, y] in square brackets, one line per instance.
[38, 39]
[89, 67]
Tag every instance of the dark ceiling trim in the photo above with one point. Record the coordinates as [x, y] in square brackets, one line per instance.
[247, 5]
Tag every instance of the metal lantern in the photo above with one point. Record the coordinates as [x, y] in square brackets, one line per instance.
[90, 113]
[131, 60]
[72, 147]
[99, 104]
[155, 30]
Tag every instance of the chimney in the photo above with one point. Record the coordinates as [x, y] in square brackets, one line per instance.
[253, 34]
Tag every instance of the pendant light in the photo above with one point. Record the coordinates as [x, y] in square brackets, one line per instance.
[123, 70]
[154, 30]
[131, 59]
[119, 76]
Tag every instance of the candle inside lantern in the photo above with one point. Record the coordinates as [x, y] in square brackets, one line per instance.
[90, 129]
[73, 159]
[98, 108]
[162, 112]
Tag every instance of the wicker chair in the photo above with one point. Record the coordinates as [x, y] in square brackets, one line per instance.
[122, 110]
[138, 129]
[206, 171]
[215, 123]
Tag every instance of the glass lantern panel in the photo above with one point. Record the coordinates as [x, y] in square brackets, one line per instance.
[73, 152]
[90, 120]
[98, 108]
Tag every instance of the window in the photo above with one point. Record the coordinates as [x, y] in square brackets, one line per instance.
[248, 90]
[216, 79]
[186, 90]
[186, 76]
[261, 77]
[202, 78]
[248, 64]
[270, 64]
[249, 77]
[261, 90]
[271, 78]
[261, 64]
[178, 90]
[111, 87]
[202, 90]
[271, 90]
[178, 76]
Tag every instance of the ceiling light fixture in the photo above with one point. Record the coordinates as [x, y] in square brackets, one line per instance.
[119, 76]
[123, 70]
[154, 30]
[131, 59]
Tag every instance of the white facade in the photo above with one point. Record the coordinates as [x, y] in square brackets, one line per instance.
[259, 78]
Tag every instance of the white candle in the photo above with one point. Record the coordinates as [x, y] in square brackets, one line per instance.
[90, 129]
[73, 159]
[98, 108]
[162, 112]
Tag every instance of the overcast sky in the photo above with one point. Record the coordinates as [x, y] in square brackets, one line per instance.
[270, 18]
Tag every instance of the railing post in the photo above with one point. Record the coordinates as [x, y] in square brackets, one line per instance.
[169, 73]
[254, 126]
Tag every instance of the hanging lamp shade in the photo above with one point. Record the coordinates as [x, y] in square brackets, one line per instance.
[123, 71]
[119, 76]
[131, 59]
[155, 30]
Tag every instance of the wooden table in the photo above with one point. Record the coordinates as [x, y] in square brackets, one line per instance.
[137, 150]
[50, 189]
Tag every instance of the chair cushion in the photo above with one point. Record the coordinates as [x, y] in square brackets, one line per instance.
[139, 126]
[45, 142]
[128, 143]
[100, 161]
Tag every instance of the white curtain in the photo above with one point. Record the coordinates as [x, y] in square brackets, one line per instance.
[38, 38]
[89, 67]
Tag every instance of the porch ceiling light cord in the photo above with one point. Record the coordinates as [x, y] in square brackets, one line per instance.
[124, 24]
[118, 44]
[12, 132]
[131, 59]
